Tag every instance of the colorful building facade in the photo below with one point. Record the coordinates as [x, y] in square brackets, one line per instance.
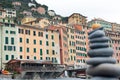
[115, 27]
[8, 41]
[77, 18]
[10, 12]
[38, 44]
[107, 25]
[114, 43]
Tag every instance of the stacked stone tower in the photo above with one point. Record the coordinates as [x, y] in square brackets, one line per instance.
[101, 63]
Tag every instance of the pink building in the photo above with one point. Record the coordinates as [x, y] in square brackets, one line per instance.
[64, 56]
[81, 45]
[114, 43]
[27, 13]
[41, 10]
[16, 3]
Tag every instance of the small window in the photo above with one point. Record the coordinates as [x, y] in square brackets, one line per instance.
[34, 33]
[12, 40]
[7, 57]
[12, 56]
[34, 57]
[6, 40]
[27, 57]
[40, 42]
[20, 49]
[34, 41]
[20, 40]
[21, 57]
[34, 50]
[41, 52]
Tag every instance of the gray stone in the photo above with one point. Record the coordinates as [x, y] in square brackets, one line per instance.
[99, 60]
[101, 28]
[99, 45]
[102, 52]
[104, 78]
[99, 40]
[96, 34]
[105, 70]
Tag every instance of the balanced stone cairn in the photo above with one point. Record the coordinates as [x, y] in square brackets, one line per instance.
[102, 64]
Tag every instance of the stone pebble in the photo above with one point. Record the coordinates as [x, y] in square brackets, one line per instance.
[99, 40]
[101, 52]
[99, 60]
[98, 45]
[105, 70]
[96, 34]
[104, 78]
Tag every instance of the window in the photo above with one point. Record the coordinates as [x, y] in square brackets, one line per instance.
[27, 32]
[47, 51]
[47, 44]
[53, 52]
[6, 31]
[12, 40]
[20, 49]
[20, 40]
[28, 50]
[6, 57]
[40, 34]
[8, 20]
[21, 31]
[52, 37]
[3, 20]
[40, 42]
[41, 52]
[9, 48]
[34, 33]
[41, 58]
[12, 32]
[6, 40]
[0, 13]
[21, 57]
[27, 57]
[46, 36]
[5, 48]
[27, 40]
[12, 56]
[53, 44]
[34, 57]
[14, 48]
[71, 58]
[34, 41]
[12, 25]
[34, 50]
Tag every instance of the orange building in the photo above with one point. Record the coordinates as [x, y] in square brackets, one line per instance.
[77, 18]
[38, 44]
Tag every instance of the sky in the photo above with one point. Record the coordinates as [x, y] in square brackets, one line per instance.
[108, 10]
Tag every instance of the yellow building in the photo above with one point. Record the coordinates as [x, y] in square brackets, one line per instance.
[38, 44]
[27, 19]
[40, 22]
[77, 18]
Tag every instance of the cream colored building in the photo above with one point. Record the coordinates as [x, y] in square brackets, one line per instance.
[115, 27]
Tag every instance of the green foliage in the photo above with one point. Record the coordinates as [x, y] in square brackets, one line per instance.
[6, 4]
